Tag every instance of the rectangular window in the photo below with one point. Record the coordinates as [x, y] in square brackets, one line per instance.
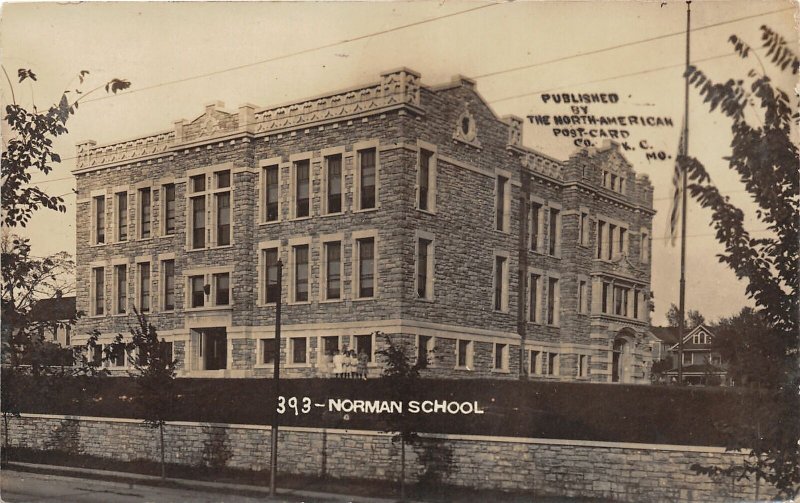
[621, 301]
[223, 179]
[499, 283]
[367, 177]
[198, 183]
[300, 273]
[144, 287]
[583, 229]
[583, 300]
[535, 363]
[552, 364]
[299, 348]
[144, 213]
[500, 203]
[424, 181]
[622, 242]
[535, 226]
[117, 356]
[364, 345]
[223, 201]
[464, 353]
[645, 248]
[555, 232]
[272, 288]
[533, 298]
[99, 291]
[636, 304]
[552, 301]
[168, 285]
[222, 289]
[198, 291]
[121, 276]
[687, 358]
[604, 300]
[198, 222]
[268, 351]
[612, 231]
[166, 351]
[333, 266]
[424, 348]
[271, 193]
[583, 365]
[302, 188]
[122, 216]
[600, 230]
[501, 356]
[423, 250]
[99, 219]
[366, 267]
[330, 344]
[168, 193]
[333, 165]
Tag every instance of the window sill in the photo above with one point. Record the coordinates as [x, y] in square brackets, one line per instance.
[330, 301]
[297, 365]
[363, 299]
[167, 235]
[97, 316]
[467, 368]
[426, 299]
[427, 212]
[97, 245]
[145, 239]
[119, 315]
[299, 303]
[300, 219]
[264, 366]
[337, 214]
[501, 371]
[208, 308]
[268, 304]
[269, 222]
[366, 210]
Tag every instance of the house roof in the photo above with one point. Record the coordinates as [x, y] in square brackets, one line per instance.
[688, 337]
[665, 334]
[55, 309]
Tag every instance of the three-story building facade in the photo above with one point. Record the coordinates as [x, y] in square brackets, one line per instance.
[396, 209]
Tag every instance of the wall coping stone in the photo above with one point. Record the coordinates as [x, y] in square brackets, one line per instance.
[448, 436]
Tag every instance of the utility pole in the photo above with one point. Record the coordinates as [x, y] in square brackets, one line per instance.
[273, 462]
[685, 149]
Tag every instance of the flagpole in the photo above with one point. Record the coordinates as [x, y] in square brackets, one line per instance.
[685, 152]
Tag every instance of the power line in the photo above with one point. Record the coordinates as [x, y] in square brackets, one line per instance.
[294, 54]
[620, 46]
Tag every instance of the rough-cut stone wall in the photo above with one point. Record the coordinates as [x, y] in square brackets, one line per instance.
[462, 226]
[621, 472]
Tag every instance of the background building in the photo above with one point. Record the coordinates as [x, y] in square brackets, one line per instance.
[395, 207]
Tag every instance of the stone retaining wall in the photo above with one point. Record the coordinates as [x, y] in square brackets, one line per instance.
[543, 467]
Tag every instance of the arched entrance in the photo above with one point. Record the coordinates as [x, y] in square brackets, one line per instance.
[621, 356]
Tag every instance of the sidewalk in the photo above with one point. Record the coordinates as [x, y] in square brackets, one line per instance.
[134, 479]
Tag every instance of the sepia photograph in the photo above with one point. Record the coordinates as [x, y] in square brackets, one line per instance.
[430, 251]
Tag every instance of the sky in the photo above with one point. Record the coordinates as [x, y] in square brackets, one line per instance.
[180, 56]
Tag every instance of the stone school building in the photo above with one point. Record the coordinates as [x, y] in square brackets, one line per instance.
[397, 208]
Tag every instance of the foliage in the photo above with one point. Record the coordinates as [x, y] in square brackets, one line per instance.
[755, 353]
[693, 318]
[154, 372]
[764, 157]
[662, 366]
[153, 369]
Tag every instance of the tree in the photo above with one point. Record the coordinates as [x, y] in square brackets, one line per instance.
[694, 318]
[764, 156]
[26, 279]
[154, 373]
[752, 350]
[402, 376]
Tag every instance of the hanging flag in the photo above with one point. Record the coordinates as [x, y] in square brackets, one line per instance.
[677, 188]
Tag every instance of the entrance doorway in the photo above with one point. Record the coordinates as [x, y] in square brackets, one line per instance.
[212, 345]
